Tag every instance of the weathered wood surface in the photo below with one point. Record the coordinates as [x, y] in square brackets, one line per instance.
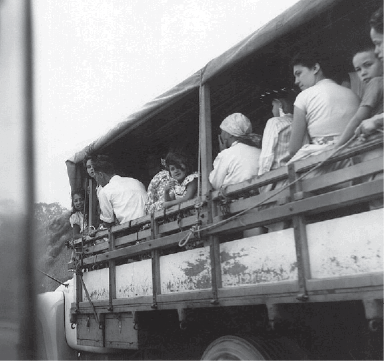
[346, 246]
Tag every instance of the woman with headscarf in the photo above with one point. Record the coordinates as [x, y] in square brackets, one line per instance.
[238, 159]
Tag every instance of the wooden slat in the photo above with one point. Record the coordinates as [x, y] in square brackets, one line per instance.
[343, 175]
[312, 205]
[300, 235]
[137, 249]
[246, 203]
[255, 182]
[205, 131]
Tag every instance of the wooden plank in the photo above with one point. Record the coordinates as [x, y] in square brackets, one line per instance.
[343, 175]
[312, 205]
[175, 209]
[137, 249]
[214, 250]
[353, 281]
[246, 203]
[112, 273]
[205, 131]
[174, 226]
[300, 235]
[255, 182]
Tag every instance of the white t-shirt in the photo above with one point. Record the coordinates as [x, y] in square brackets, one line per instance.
[235, 164]
[124, 197]
[328, 107]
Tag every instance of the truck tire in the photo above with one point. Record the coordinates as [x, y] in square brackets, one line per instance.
[252, 348]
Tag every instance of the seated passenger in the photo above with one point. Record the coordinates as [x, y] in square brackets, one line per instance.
[156, 190]
[238, 159]
[370, 70]
[277, 132]
[322, 110]
[371, 125]
[121, 198]
[182, 184]
[78, 218]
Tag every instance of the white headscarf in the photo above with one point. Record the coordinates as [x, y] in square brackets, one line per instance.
[237, 125]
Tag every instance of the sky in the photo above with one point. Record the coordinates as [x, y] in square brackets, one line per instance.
[97, 61]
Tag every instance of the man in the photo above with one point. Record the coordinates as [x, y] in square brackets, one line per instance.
[238, 159]
[121, 198]
[277, 132]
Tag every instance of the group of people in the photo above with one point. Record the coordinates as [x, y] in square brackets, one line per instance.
[323, 115]
[122, 199]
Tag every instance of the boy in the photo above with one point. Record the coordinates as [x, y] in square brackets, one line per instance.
[369, 68]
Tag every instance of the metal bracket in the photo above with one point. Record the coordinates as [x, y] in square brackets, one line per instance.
[278, 316]
[374, 314]
[182, 312]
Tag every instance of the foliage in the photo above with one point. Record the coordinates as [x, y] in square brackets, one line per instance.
[52, 230]
[45, 213]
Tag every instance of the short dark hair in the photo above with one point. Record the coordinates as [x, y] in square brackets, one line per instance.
[376, 21]
[103, 163]
[309, 58]
[365, 48]
[179, 160]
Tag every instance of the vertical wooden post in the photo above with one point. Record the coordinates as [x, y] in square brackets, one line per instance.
[90, 202]
[215, 267]
[206, 167]
[112, 272]
[300, 234]
[205, 134]
[156, 283]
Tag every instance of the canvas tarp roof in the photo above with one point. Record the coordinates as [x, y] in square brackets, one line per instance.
[296, 15]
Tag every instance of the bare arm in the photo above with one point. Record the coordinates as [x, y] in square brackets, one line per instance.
[369, 126]
[190, 194]
[76, 231]
[361, 114]
[299, 129]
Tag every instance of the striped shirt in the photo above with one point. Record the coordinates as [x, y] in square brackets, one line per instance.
[275, 143]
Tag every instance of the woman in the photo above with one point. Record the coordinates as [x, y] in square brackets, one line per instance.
[323, 108]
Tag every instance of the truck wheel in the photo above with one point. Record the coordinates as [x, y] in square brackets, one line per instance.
[255, 348]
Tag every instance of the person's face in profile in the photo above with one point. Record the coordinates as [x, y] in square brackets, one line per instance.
[304, 77]
[89, 167]
[377, 39]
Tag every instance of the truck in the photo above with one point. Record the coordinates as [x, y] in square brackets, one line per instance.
[196, 281]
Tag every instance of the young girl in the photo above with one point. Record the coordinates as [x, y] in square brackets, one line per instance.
[78, 218]
[183, 183]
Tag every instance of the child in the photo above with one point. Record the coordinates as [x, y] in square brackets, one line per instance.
[369, 68]
[78, 218]
[183, 183]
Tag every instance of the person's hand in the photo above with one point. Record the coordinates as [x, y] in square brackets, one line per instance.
[369, 126]
[171, 184]
[166, 204]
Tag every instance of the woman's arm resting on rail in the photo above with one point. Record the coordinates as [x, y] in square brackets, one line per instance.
[299, 129]
[190, 194]
[361, 114]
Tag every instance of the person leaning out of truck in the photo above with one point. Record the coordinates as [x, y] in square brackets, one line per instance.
[238, 159]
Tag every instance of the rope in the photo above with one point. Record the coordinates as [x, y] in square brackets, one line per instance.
[53, 278]
[279, 191]
[89, 298]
